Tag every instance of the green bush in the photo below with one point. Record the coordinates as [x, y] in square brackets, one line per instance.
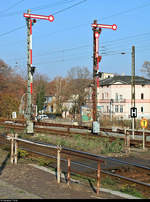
[22, 153]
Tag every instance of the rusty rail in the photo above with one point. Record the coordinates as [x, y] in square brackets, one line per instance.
[69, 158]
[47, 128]
[60, 150]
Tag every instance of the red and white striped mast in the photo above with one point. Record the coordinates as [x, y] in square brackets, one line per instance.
[30, 76]
[31, 69]
[97, 28]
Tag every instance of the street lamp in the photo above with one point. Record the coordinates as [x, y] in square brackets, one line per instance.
[132, 86]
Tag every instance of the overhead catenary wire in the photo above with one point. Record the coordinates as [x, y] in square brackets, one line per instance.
[108, 52]
[69, 7]
[11, 31]
[10, 7]
[46, 7]
[126, 11]
[103, 51]
[59, 11]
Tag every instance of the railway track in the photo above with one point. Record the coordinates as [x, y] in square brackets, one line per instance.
[84, 163]
[65, 130]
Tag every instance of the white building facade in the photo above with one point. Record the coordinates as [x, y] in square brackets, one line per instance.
[114, 97]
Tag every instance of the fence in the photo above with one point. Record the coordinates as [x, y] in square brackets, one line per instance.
[60, 150]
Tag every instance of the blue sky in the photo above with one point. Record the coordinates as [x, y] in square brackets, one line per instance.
[68, 41]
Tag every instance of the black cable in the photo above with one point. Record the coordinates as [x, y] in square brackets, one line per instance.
[11, 31]
[3, 11]
[69, 7]
[126, 11]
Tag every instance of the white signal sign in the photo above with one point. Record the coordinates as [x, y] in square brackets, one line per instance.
[43, 17]
[133, 112]
[113, 27]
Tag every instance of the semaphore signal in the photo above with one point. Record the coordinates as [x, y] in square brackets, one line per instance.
[113, 27]
[42, 17]
[31, 69]
[97, 28]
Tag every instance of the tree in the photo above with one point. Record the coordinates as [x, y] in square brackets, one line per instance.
[58, 88]
[5, 74]
[8, 104]
[78, 80]
[12, 87]
[40, 99]
[40, 90]
[146, 68]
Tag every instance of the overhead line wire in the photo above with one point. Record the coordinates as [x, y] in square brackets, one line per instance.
[62, 10]
[69, 7]
[11, 31]
[3, 11]
[47, 6]
[126, 11]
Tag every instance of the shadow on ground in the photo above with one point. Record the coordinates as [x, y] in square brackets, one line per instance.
[3, 165]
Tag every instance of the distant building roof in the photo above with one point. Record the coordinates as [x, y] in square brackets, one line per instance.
[126, 80]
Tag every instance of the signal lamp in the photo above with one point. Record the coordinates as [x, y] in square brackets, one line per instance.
[32, 70]
[34, 20]
[51, 18]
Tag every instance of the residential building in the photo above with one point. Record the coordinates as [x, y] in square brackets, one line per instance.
[50, 104]
[114, 97]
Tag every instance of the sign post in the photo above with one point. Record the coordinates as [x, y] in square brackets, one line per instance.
[97, 28]
[144, 124]
[31, 69]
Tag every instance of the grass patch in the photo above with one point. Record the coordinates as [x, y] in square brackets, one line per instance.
[93, 145]
[128, 189]
[108, 181]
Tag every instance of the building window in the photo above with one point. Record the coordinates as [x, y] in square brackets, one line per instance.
[121, 97]
[102, 96]
[116, 108]
[107, 109]
[142, 109]
[116, 97]
[121, 108]
[106, 95]
[142, 96]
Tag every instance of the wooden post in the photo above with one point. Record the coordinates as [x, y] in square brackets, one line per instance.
[12, 149]
[58, 164]
[98, 176]
[68, 130]
[125, 139]
[143, 138]
[69, 170]
[16, 148]
[128, 141]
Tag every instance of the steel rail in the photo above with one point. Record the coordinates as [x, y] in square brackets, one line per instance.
[87, 154]
[126, 178]
[36, 143]
[39, 153]
[64, 133]
[86, 166]
[108, 158]
[126, 163]
[118, 130]
[62, 159]
[94, 156]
